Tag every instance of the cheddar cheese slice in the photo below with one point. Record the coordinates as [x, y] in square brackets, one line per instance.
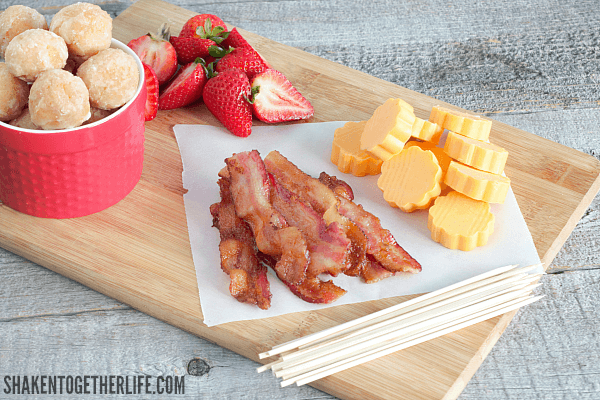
[478, 185]
[348, 156]
[468, 125]
[427, 130]
[460, 222]
[410, 180]
[442, 157]
[388, 129]
[477, 154]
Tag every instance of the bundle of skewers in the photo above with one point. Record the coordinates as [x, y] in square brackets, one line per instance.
[415, 321]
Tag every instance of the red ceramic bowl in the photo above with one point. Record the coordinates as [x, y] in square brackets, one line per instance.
[74, 172]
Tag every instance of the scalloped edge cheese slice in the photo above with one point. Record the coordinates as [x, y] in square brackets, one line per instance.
[410, 180]
[478, 185]
[460, 222]
[472, 126]
[346, 152]
[443, 158]
[477, 154]
[388, 129]
[427, 130]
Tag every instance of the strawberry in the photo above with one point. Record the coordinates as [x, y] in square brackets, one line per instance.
[151, 93]
[246, 59]
[157, 52]
[235, 40]
[185, 88]
[227, 97]
[276, 100]
[205, 26]
[190, 48]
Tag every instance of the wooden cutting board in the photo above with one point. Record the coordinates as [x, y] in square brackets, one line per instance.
[138, 251]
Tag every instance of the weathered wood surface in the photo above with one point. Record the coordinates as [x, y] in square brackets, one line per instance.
[529, 64]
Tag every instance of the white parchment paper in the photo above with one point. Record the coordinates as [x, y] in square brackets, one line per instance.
[308, 145]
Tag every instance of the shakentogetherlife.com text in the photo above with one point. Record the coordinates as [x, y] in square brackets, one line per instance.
[92, 384]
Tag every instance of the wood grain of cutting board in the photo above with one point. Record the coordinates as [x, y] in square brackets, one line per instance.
[138, 251]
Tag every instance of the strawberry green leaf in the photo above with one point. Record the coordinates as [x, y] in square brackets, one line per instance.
[218, 52]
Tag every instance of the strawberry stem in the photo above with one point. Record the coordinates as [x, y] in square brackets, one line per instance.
[255, 90]
[164, 33]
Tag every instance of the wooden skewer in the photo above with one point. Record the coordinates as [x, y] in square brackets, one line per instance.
[350, 325]
[348, 363]
[408, 338]
[455, 302]
[429, 320]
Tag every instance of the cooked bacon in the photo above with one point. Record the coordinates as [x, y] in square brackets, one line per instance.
[322, 199]
[250, 190]
[380, 242]
[249, 283]
[312, 289]
[339, 187]
[308, 189]
[328, 245]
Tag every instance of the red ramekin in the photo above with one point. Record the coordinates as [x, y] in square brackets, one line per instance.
[74, 172]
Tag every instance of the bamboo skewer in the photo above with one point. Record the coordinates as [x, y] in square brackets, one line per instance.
[463, 299]
[371, 340]
[422, 318]
[455, 288]
[348, 364]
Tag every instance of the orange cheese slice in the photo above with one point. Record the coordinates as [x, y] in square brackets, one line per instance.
[388, 129]
[426, 130]
[410, 180]
[442, 157]
[468, 125]
[348, 156]
[460, 222]
[478, 185]
[477, 154]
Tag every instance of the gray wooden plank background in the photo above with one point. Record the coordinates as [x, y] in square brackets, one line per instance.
[530, 63]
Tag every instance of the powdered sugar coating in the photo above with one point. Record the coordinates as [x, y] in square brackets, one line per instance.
[59, 100]
[17, 19]
[111, 76]
[85, 27]
[13, 94]
[34, 51]
[24, 121]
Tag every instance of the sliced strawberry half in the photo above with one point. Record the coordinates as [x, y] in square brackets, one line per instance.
[151, 93]
[190, 48]
[277, 100]
[185, 88]
[157, 52]
[246, 59]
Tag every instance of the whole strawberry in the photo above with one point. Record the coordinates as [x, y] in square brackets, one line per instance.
[157, 52]
[277, 100]
[205, 26]
[190, 48]
[185, 88]
[246, 59]
[227, 96]
[234, 39]
[151, 82]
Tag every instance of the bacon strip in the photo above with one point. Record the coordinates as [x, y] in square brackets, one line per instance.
[249, 283]
[322, 199]
[311, 289]
[328, 245]
[250, 190]
[381, 244]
